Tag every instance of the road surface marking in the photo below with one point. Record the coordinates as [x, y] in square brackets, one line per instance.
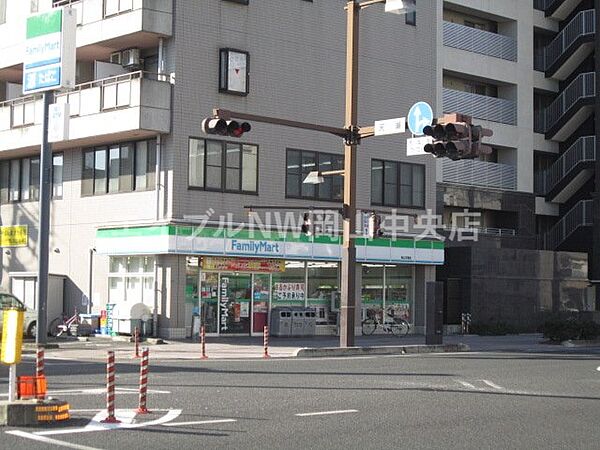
[598, 368]
[170, 416]
[98, 391]
[46, 440]
[326, 413]
[493, 385]
[467, 385]
[201, 422]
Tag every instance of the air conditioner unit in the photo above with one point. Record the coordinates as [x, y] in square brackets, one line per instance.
[115, 58]
[131, 58]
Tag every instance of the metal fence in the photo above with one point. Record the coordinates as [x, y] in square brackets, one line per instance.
[582, 150]
[581, 25]
[480, 41]
[481, 106]
[473, 172]
[579, 216]
[584, 86]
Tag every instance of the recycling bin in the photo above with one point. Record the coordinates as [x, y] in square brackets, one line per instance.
[298, 322]
[310, 322]
[281, 322]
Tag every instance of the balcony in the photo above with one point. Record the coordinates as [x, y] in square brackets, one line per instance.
[573, 105]
[571, 46]
[480, 106]
[571, 230]
[479, 41]
[557, 9]
[118, 108]
[103, 27]
[472, 172]
[569, 172]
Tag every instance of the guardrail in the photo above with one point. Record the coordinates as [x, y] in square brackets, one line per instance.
[480, 41]
[580, 215]
[481, 106]
[581, 25]
[584, 86]
[582, 150]
[472, 172]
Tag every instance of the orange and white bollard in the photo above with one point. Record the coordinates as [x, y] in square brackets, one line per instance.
[110, 389]
[203, 342]
[136, 339]
[143, 381]
[266, 342]
[39, 362]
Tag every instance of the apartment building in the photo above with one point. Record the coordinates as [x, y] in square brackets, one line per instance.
[140, 194]
[525, 70]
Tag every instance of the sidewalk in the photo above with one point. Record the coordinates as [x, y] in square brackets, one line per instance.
[252, 348]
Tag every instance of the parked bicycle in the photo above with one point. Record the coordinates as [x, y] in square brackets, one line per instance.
[62, 325]
[390, 324]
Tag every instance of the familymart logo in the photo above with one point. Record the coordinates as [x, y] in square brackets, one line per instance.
[255, 247]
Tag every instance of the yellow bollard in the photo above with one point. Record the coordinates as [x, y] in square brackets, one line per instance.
[12, 336]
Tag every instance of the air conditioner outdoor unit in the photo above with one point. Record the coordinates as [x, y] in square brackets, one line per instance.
[130, 58]
[115, 58]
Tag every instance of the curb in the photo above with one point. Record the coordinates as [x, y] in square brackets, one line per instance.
[383, 350]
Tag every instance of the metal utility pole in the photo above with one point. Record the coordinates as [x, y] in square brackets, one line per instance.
[44, 225]
[594, 254]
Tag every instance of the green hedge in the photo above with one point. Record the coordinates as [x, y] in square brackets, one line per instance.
[560, 329]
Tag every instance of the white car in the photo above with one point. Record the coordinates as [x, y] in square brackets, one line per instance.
[9, 301]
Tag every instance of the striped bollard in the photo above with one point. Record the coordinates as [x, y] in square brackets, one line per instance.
[266, 342]
[203, 342]
[143, 381]
[110, 389]
[136, 338]
[39, 368]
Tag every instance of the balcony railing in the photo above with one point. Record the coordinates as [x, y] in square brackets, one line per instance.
[111, 7]
[481, 106]
[479, 41]
[582, 24]
[472, 172]
[584, 86]
[583, 150]
[579, 216]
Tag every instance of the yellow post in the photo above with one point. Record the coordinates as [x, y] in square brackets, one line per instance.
[12, 340]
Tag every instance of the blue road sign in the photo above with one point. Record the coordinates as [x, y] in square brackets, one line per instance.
[419, 116]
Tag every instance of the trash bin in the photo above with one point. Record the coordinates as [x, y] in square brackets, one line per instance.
[310, 322]
[298, 322]
[281, 322]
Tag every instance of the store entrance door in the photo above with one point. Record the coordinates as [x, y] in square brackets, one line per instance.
[261, 297]
[235, 298]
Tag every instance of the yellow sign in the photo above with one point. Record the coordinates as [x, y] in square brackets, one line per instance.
[243, 264]
[13, 236]
[12, 336]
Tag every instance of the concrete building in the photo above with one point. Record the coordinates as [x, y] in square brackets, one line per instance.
[525, 70]
[137, 178]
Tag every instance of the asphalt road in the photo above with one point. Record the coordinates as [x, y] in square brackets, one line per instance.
[466, 401]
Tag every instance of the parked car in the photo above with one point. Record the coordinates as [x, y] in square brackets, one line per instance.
[9, 301]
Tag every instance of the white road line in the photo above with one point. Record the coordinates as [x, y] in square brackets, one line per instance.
[201, 422]
[98, 391]
[46, 440]
[493, 385]
[326, 413]
[598, 368]
[467, 385]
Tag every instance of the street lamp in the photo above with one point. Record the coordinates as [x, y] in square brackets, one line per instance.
[318, 177]
[348, 278]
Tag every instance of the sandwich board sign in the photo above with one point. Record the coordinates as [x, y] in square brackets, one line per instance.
[49, 60]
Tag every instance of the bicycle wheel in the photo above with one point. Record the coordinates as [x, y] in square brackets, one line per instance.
[54, 328]
[400, 328]
[368, 327]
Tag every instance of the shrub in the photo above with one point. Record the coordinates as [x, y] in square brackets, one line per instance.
[569, 328]
[492, 329]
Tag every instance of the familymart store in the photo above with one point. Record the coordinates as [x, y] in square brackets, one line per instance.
[229, 281]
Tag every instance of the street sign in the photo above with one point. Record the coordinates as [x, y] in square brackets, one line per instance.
[419, 116]
[49, 60]
[390, 126]
[58, 122]
[414, 146]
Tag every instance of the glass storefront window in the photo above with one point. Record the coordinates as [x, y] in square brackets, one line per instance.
[209, 297]
[323, 287]
[372, 290]
[398, 299]
[289, 287]
[118, 264]
[126, 284]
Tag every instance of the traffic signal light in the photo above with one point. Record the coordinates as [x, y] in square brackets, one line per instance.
[307, 225]
[222, 127]
[456, 138]
[375, 226]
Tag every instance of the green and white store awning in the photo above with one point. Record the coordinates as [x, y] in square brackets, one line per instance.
[187, 240]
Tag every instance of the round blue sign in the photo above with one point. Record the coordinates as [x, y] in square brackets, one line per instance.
[419, 116]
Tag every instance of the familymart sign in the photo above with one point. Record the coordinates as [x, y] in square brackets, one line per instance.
[49, 60]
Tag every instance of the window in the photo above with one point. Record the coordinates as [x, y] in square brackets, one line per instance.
[122, 167]
[411, 15]
[112, 7]
[397, 184]
[233, 71]
[131, 279]
[20, 179]
[301, 162]
[3, 11]
[223, 166]
[241, 2]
